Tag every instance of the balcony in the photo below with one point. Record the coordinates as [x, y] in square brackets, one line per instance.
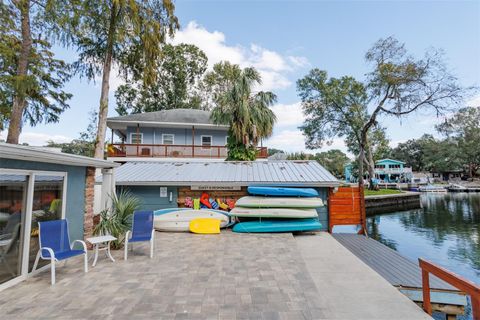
[124, 150]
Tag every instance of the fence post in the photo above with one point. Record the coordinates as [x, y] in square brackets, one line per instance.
[426, 292]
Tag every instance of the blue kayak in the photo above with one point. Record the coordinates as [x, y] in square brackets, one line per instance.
[283, 192]
[277, 225]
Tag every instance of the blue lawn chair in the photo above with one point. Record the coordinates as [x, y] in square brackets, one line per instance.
[142, 230]
[55, 245]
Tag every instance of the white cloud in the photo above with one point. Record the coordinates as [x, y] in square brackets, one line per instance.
[474, 102]
[288, 115]
[37, 139]
[273, 66]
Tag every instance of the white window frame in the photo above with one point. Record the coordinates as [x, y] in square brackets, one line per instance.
[226, 140]
[201, 141]
[168, 134]
[131, 137]
[24, 272]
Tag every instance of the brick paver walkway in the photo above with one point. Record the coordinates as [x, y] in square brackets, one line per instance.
[226, 276]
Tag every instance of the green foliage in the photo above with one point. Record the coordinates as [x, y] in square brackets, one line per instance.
[218, 81]
[84, 145]
[398, 84]
[240, 152]
[272, 151]
[132, 30]
[41, 87]
[380, 192]
[117, 220]
[334, 161]
[247, 113]
[377, 143]
[464, 129]
[299, 156]
[178, 78]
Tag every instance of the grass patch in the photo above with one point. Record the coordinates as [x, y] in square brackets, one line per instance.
[380, 192]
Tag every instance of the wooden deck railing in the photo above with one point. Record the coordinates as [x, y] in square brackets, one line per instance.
[457, 281]
[172, 151]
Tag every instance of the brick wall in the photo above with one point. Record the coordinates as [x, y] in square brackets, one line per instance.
[89, 197]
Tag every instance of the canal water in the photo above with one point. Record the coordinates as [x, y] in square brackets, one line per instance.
[446, 230]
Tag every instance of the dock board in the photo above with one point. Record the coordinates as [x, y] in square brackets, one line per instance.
[402, 273]
[392, 266]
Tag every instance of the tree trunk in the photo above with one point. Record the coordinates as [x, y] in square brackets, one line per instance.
[15, 123]
[371, 167]
[107, 67]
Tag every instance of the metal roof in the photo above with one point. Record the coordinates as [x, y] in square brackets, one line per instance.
[42, 154]
[173, 117]
[227, 173]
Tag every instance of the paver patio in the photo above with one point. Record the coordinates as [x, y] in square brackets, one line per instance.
[227, 276]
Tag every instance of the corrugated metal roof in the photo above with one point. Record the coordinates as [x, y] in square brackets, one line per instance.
[173, 115]
[304, 173]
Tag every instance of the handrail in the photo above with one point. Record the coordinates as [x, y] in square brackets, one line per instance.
[455, 280]
[172, 150]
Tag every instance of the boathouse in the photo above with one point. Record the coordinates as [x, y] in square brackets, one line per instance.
[39, 184]
[165, 184]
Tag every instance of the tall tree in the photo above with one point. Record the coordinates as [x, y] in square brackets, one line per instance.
[124, 33]
[84, 145]
[464, 128]
[247, 113]
[412, 153]
[398, 85]
[333, 160]
[218, 81]
[179, 75]
[31, 79]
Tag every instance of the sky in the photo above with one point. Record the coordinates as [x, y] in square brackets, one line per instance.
[286, 39]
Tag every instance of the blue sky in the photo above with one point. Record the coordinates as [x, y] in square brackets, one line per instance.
[285, 39]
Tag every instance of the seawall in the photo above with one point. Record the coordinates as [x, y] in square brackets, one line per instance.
[392, 202]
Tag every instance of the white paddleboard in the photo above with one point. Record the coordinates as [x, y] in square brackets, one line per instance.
[273, 213]
[279, 202]
[180, 220]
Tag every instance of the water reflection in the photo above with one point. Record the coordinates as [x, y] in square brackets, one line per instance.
[446, 230]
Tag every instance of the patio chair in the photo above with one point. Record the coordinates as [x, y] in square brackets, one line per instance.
[54, 242]
[142, 230]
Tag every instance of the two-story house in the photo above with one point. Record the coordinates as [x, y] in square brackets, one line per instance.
[386, 170]
[168, 134]
[171, 157]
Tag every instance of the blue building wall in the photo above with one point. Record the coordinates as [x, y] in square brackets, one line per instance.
[75, 206]
[151, 200]
[181, 136]
[150, 196]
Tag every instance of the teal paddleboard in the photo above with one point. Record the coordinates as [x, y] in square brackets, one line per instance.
[277, 225]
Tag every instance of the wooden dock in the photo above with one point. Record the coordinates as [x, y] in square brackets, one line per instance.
[403, 273]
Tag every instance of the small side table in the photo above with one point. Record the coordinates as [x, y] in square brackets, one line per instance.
[96, 241]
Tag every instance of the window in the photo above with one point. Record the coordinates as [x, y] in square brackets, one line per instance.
[206, 141]
[226, 140]
[167, 139]
[136, 138]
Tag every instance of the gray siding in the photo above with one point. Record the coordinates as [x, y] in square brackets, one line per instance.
[181, 136]
[150, 197]
[75, 206]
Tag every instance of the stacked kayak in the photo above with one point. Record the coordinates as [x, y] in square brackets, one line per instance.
[278, 210]
[179, 219]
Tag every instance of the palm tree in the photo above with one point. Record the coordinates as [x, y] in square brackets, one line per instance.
[246, 112]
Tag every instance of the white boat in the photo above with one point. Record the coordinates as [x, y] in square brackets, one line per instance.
[432, 188]
[279, 202]
[273, 213]
[178, 219]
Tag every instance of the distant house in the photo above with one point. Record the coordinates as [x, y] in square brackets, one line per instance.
[168, 135]
[386, 170]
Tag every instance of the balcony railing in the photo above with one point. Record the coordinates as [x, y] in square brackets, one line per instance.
[172, 151]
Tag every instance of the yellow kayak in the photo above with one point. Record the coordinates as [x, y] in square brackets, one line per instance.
[205, 226]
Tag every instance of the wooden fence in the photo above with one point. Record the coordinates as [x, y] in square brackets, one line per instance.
[346, 206]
